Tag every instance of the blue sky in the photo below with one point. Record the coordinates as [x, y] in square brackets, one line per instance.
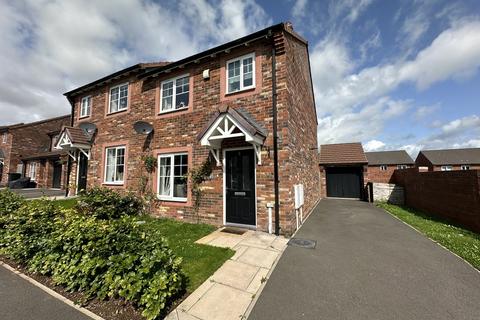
[392, 74]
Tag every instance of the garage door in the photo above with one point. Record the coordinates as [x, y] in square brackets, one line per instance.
[344, 182]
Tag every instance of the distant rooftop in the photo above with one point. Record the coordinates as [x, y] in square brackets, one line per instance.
[388, 157]
[453, 156]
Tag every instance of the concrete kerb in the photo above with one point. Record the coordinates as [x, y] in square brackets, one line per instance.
[51, 292]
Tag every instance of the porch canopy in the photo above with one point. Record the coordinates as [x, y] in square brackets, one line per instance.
[229, 123]
[72, 139]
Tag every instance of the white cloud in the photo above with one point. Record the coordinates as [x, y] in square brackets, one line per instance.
[298, 9]
[49, 47]
[368, 122]
[424, 111]
[373, 145]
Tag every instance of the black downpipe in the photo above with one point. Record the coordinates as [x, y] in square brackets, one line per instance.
[275, 144]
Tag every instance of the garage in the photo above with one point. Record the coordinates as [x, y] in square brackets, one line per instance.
[342, 170]
[344, 182]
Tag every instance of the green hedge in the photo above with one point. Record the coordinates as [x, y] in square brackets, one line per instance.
[95, 248]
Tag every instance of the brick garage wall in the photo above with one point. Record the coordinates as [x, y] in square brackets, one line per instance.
[323, 178]
[454, 195]
[6, 148]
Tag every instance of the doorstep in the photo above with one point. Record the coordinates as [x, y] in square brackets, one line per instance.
[231, 291]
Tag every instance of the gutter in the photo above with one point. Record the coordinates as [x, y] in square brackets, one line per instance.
[275, 141]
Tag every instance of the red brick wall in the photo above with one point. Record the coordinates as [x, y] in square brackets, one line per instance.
[180, 130]
[30, 139]
[377, 175]
[454, 195]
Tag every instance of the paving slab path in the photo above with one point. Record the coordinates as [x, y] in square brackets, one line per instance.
[367, 265]
[21, 300]
[232, 290]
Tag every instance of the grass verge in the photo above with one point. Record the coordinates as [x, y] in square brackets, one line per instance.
[463, 242]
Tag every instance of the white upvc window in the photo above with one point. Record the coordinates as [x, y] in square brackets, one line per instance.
[115, 164]
[241, 73]
[383, 167]
[402, 166]
[172, 176]
[118, 98]
[86, 106]
[446, 168]
[32, 170]
[465, 167]
[175, 93]
[4, 137]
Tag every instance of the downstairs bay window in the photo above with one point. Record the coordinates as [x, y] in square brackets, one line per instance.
[114, 165]
[172, 177]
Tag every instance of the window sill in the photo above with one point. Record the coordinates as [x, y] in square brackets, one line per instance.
[118, 184]
[176, 200]
[227, 94]
[116, 112]
[172, 111]
[84, 117]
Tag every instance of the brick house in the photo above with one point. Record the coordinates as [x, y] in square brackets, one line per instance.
[244, 110]
[27, 149]
[448, 159]
[382, 164]
[343, 170]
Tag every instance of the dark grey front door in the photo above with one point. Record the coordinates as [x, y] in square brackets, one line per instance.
[57, 175]
[82, 172]
[240, 187]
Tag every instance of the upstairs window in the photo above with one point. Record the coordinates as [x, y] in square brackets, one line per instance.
[175, 94]
[4, 137]
[465, 167]
[241, 73]
[172, 177]
[85, 106]
[115, 165]
[118, 98]
[446, 168]
[402, 166]
[383, 167]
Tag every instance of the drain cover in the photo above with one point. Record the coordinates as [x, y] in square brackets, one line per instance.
[234, 231]
[302, 243]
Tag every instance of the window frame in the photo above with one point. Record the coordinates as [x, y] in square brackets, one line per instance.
[33, 165]
[82, 115]
[5, 137]
[170, 197]
[109, 111]
[446, 168]
[383, 167]
[465, 167]
[174, 94]
[402, 166]
[242, 87]
[116, 164]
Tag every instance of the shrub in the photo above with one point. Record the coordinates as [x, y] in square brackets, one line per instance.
[10, 202]
[104, 203]
[105, 253]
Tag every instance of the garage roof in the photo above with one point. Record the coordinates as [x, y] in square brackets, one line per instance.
[453, 156]
[342, 153]
[388, 157]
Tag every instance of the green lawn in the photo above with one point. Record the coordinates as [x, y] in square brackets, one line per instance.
[199, 261]
[463, 242]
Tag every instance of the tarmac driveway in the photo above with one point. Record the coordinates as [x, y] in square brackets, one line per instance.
[367, 265]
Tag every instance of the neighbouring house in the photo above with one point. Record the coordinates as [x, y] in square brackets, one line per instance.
[241, 116]
[382, 164]
[343, 170]
[26, 150]
[448, 159]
